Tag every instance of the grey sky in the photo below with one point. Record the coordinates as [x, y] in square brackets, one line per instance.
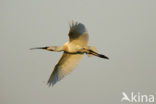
[124, 30]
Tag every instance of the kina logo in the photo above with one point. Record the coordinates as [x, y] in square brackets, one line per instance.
[137, 97]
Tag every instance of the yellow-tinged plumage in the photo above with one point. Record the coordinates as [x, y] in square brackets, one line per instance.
[73, 51]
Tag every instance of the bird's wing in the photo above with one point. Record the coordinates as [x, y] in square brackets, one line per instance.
[65, 65]
[78, 32]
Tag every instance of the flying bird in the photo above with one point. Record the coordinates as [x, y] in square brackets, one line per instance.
[73, 50]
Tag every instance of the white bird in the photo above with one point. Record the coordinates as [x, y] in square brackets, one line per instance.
[73, 51]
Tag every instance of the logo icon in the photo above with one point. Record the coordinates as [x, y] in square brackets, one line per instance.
[137, 97]
[125, 97]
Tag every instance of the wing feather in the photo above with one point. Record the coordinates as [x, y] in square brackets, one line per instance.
[65, 65]
[77, 30]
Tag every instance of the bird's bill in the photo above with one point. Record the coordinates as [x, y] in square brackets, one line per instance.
[38, 48]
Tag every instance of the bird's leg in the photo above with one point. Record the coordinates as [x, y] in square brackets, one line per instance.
[91, 51]
[97, 54]
[91, 48]
[50, 48]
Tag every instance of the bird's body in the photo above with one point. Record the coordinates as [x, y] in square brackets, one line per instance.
[73, 51]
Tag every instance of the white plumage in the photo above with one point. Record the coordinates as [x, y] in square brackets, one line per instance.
[73, 51]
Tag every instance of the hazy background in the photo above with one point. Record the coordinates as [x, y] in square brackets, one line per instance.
[124, 30]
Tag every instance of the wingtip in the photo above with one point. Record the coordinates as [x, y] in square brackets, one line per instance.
[49, 84]
[71, 23]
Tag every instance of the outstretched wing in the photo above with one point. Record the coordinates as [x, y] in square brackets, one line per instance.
[78, 32]
[65, 65]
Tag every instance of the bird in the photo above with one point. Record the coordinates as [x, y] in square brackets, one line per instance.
[73, 50]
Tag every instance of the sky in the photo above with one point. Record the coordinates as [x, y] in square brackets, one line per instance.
[123, 30]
